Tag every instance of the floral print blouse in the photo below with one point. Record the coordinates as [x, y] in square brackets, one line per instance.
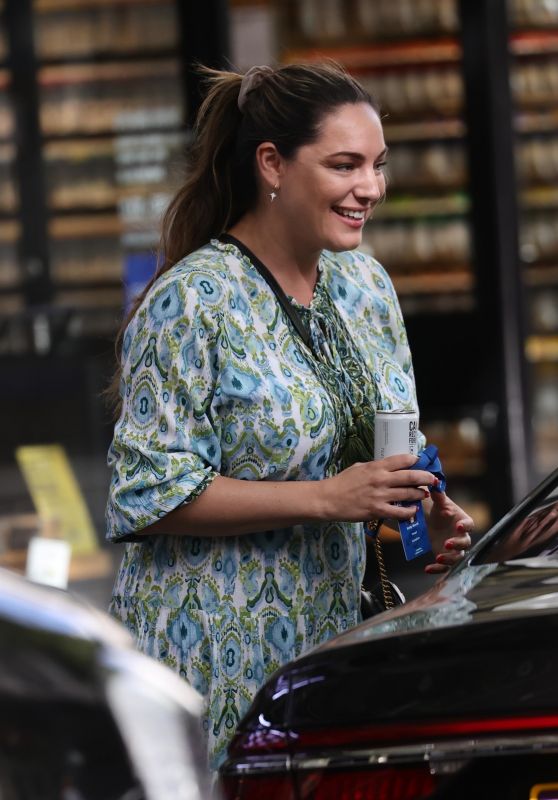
[217, 382]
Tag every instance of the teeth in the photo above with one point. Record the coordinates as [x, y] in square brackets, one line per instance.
[351, 214]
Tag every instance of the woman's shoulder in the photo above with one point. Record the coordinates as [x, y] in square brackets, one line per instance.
[191, 292]
[208, 262]
[203, 278]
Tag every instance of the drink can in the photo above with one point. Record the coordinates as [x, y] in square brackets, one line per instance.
[395, 433]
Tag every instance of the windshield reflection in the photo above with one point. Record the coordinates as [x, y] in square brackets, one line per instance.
[536, 535]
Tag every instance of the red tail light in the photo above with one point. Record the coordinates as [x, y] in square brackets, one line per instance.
[413, 782]
[258, 787]
[402, 783]
[402, 733]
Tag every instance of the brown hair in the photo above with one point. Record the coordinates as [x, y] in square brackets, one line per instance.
[285, 107]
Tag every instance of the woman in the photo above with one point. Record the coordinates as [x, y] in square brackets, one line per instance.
[242, 469]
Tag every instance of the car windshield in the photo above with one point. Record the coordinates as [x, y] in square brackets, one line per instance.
[535, 535]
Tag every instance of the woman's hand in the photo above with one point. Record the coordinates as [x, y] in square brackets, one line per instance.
[367, 491]
[449, 528]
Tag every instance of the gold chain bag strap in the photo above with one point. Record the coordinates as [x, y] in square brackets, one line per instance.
[390, 597]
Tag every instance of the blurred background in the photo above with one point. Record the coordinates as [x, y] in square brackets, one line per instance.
[97, 99]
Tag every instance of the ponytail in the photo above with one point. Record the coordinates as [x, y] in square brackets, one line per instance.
[203, 206]
[284, 106]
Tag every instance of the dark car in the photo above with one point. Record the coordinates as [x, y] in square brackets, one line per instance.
[453, 695]
[83, 715]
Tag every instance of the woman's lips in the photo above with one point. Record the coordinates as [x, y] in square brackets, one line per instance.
[352, 222]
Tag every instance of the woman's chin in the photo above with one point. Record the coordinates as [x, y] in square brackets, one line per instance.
[341, 243]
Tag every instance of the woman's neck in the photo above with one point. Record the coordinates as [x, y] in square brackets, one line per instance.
[295, 272]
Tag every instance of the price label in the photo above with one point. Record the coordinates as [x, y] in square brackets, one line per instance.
[48, 561]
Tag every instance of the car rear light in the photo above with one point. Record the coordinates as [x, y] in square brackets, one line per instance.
[391, 783]
[303, 780]
[402, 733]
[401, 783]
[257, 787]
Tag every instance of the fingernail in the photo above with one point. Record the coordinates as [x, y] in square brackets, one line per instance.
[450, 544]
[460, 527]
[440, 558]
[426, 493]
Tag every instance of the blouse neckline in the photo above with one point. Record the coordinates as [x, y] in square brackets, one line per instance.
[248, 256]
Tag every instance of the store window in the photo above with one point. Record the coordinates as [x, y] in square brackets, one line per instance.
[534, 82]
[113, 120]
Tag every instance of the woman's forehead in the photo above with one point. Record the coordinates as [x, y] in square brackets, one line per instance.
[355, 125]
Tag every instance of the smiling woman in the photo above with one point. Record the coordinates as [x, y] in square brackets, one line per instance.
[334, 191]
[250, 373]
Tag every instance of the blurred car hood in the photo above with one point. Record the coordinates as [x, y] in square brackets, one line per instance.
[471, 594]
[470, 645]
[44, 608]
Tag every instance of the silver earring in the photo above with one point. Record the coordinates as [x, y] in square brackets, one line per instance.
[273, 193]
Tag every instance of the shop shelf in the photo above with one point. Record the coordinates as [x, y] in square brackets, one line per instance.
[45, 6]
[534, 42]
[546, 275]
[540, 349]
[379, 54]
[428, 283]
[539, 197]
[424, 130]
[110, 57]
[412, 207]
[87, 226]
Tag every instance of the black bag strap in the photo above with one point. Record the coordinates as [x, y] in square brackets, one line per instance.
[303, 331]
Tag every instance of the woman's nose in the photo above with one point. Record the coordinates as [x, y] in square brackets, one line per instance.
[371, 186]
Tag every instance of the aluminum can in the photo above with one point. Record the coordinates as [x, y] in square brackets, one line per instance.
[395, 433]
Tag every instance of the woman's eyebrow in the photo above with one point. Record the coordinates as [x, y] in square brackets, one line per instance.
[348, 153]
[359, 156]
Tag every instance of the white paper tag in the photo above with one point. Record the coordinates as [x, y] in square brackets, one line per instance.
[48, 561]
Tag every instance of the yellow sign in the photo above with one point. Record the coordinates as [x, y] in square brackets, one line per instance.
[56, 495]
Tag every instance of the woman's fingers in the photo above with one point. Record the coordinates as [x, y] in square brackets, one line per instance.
[451, 558]
[444, 561]
[412, 477]
[396, 463]
[456, 548]
[458, 543]
[399, 512]
[406, 494]
[375, 488]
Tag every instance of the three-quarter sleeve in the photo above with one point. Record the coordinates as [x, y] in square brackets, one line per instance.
[166, 445]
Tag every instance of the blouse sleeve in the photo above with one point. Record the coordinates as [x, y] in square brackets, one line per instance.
[166, 445]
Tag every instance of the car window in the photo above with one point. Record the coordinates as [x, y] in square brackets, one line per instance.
[535, 535]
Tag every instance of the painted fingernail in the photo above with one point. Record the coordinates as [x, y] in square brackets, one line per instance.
[440, 558]
[426, 493]
[460, 527]
[450, 544]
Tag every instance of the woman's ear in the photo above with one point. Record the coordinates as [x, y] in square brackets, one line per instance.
[269, 164]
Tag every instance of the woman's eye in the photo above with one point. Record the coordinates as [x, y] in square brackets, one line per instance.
[343, 167]
[380, 166]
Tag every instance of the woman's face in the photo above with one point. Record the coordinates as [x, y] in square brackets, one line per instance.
[330, 187]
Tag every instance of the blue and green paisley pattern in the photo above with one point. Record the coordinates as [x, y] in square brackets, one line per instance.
[215, 381]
